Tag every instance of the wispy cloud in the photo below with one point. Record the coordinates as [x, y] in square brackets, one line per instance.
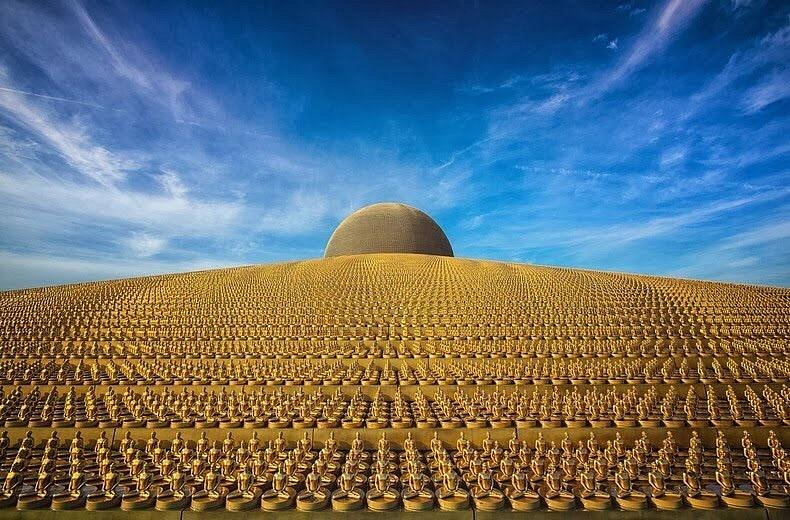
[773, 88]
[670, 19]
[51, 98]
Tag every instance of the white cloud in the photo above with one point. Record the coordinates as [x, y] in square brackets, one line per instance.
[57, 199]
[673, 156]
[775, 87]
[658, 226]
[612, 45]
[143, 245]
[772, 232]
[33, 270]
[670, 20]
[771, 49]
[71, 142]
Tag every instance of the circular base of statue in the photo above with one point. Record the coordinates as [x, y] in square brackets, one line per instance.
[135, 501]
[274, 501]
[205, 501]
[102, 501]
[493, 500]
[8, 500]
[67, 501]
[774, 501]
[351, 501]
[307, 501]
[426, 423]
[598, 501]
[704, 500]
[348, 424]
[738, 499]
[457, 500]
[633, 501]
[422, 501]
[385, 501]
[650, 423]
[667, 501]
[238, 501]
[697, 423]
[169, 501]
[524, 501]
[33, 501]
[563, 501]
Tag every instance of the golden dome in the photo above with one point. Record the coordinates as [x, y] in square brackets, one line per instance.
[388, 227]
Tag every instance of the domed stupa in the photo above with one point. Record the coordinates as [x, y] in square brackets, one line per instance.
[388, 227]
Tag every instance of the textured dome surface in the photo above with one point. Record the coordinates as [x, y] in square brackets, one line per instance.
[388, 228]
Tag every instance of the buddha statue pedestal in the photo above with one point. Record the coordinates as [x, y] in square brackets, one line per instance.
[65, 500]
[8, 499]
[522, 500]
[774, 500]
[383, 500]
[243, 500]
[273, 500]
[170, 500]
[313, 500]
[554, 493]
[137, 500]
[488, 500]
[208, 500]
[738, 499]
[452, 499]
[33, 500]
[631, 500]
[701, 499]
[350, 500]
[666, 500]
[100, 501]
[421, 500]
[591, 497]
[559, 500]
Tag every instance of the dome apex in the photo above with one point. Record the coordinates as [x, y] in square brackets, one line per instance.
[388, 227]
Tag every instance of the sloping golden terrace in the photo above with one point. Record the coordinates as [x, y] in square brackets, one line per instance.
[421, 300]
[387, 381]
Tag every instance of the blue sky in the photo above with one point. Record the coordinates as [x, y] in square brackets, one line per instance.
[149, 137]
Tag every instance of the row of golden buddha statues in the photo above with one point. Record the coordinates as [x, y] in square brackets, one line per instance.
[551, 407]
[277, 372]
[395, 332]
[325, 348]
[396, 288]
[591, 474]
